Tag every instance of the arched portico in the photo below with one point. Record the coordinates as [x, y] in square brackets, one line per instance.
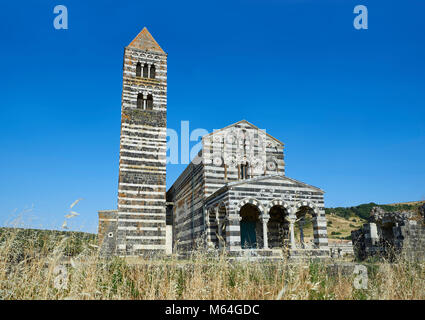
[278, 226]
[250, 226]
[217, 221]
[306, 214]
[253, 221]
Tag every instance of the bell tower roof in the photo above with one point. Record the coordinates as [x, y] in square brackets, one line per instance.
[145, 41]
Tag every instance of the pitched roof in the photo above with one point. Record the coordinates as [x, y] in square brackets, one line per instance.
[145, 41]
[250, 124]
[259, 178]
[271, 176]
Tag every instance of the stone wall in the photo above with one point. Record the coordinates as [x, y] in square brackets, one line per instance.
[225, 150]
[187, 195]
[390, 235]
[107, 231]
[340, 248]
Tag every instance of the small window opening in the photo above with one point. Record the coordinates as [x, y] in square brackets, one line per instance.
[138, 69]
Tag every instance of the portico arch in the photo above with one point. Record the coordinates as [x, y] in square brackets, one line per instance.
[252, 201]
[278, 226]
[251, 229]
[306, 214]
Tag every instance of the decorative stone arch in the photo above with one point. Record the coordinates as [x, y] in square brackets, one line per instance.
[308, 204]
[252, 201]
[278, 202]
[253, 220]
[320, 238]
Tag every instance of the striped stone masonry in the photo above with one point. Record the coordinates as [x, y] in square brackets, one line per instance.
[209, 196]
[141, 216]
[233, 196]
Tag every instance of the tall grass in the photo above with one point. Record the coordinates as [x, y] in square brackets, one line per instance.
[32, 269]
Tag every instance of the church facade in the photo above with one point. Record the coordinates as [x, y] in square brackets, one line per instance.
[233, 196]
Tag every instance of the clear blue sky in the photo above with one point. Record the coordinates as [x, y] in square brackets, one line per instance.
[348, 104]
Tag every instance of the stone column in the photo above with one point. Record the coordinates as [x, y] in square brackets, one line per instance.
[207, 226]
[291, 220]
[371, 238]
[145, 97]
[265, 220]
[149, 70]
[302, 233]
[239, 219]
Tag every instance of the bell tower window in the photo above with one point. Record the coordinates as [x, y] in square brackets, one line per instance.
[138, 69]
[145, 70]
[144, 102]
[149, 102]
[140, 101]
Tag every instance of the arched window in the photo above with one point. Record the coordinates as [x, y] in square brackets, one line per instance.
[138, 69]
[145, 70]
[244, 171]
[152, 72]
[140, 101]
[149, 103]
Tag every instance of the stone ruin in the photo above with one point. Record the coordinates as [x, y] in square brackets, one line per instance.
[391, 234]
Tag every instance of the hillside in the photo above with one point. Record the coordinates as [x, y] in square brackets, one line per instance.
[363, 210]
[29, 242]
[342, 220]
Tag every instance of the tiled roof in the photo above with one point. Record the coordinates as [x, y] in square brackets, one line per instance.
[145, 41]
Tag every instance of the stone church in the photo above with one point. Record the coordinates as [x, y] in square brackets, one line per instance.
[233, 196]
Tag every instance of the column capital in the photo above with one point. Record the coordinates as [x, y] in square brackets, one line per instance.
[291, 219]
[265, 217]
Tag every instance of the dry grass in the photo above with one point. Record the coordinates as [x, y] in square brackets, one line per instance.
[32, 273]
[337, 227]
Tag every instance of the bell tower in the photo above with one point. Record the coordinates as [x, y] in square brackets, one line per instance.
[141, 186]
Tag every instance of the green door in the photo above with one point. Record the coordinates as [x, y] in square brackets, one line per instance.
[248, 237]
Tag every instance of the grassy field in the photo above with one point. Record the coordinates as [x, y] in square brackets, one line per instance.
[43, 264]
[50, 270]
